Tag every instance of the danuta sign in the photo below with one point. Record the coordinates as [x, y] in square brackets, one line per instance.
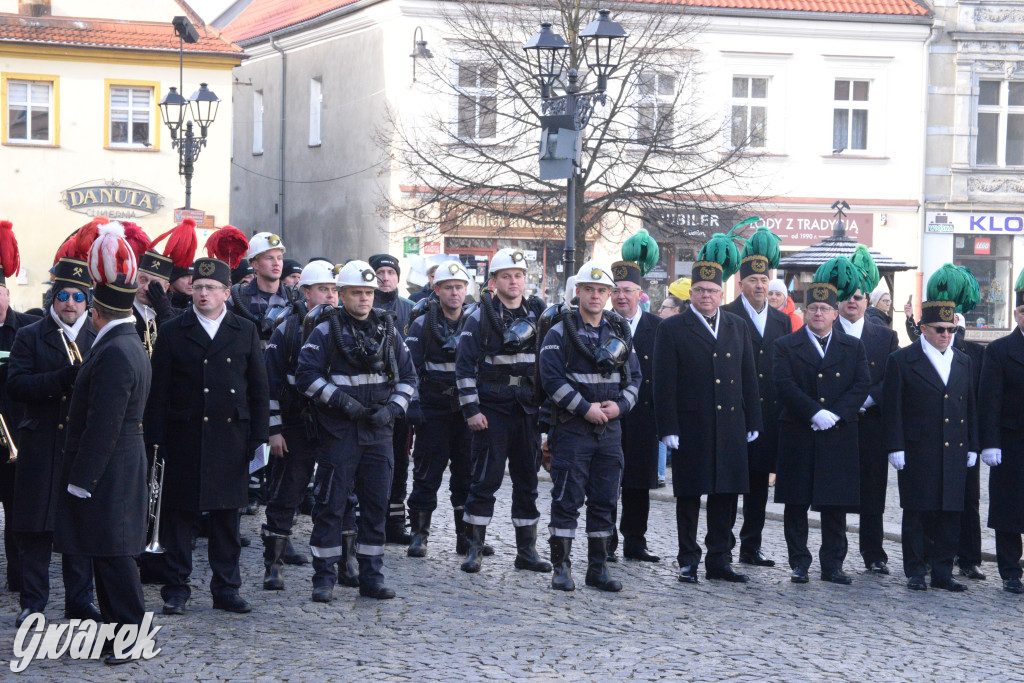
[111, 198]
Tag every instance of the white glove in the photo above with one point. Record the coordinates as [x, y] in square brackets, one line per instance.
[972, 458]
[78, 492]
[824, 419]
[671, 441]
[992, 456]
[898, 459]
[868, 402]
[751, 436]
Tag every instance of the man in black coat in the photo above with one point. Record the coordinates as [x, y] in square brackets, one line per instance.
[765, 324]
[639, 428]
[1001, 427]
[212, 413]
[968, 549]
[930, 426]
[879, 342]
[707, 409]
[42, 369]
[102, 511]
[822, 379]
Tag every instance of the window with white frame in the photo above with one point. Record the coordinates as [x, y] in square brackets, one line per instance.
[749, 112]
[656, 95]
[850, 115]
[257, 122]
[1000, 140]
[28, 111]
[316, 103]
[131, 111]
[477, 115]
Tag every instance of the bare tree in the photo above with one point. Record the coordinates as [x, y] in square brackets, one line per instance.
[651, 147]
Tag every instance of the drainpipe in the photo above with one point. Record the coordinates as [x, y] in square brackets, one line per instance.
[280, 145]
[935, 32]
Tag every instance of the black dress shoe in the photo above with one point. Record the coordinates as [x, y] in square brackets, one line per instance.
[917, 583]
[175, 605]
[635, 548]
[726, 573]
[837, 577]
[1013, 586]
[376, 592]
[244, 541]
[23, 615]
[972, 572]
[799, 575]
[950, 584]
[232, 603]
[688, 573]
[878, 568]
[758, 559]
[113, 660]
[84, 612]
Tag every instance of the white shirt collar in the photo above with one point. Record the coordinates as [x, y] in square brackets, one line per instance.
[853, 329]
[109, 326]
[760, 318]
[941, 361]
[145, 311]
[72, 330]
[700, 317]
[815, 344]
[211, 325]
[635, 320]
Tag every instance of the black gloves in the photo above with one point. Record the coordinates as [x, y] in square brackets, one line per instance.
[67, 376]
[159, 300]
[353, 409]
[384, 416]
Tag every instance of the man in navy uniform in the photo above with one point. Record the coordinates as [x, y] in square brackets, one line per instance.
[592, 376]
[358, 371]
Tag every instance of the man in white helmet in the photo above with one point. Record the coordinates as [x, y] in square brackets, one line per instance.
[358, 372]
[590, 372]
[494, 370]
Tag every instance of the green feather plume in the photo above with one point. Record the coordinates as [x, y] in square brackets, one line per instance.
[722, 250]
[641, 249]
[971, 295]
[861, 259]
[765, 243]
[742, 224]
[842, 274]
[946, 284]
[1019, 285]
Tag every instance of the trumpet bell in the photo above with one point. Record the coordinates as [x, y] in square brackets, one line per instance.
[155, 547]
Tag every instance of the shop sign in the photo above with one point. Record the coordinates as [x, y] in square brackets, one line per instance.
[802, 229]
[973, 223]
[410, 245]
[431, 248]
[115, 199]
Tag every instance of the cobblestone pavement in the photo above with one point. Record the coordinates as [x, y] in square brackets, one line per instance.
[504, 624]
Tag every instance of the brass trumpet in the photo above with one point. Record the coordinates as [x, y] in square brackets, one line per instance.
[149, 336]
[156, 498]
[6, 441]
[74, 355]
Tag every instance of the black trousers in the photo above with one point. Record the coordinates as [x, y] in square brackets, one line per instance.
[833, 538]
[636, 508]
[441, 441]
[942, 527]
[119, 590]
[512, 439]
[225, 548]
[35, 549]
[10, 537]
[968, 549]
[289, 478]
[755, 502]
[1008, 553]
[872, 533]
[721, 515]
[400, 474]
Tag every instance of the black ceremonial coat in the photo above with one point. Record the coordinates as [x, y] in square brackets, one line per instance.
[105, 452]
[820, 468]
[705, 391]
[934, 425]
[639, 427]
[11, 410]
[763, 450]
[210, 409]
[36, 364]
[1001, 425]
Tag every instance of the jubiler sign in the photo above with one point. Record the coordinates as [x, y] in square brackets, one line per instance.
[111, 198]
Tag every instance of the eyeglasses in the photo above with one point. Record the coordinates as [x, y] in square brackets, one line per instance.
[207, 288]
[700, 291]
[943, 329]
[667, 307]
[818, 309]
[79, 297]
[625, 290]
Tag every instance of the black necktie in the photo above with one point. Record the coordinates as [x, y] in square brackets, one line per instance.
[822, 341]
[711, 320]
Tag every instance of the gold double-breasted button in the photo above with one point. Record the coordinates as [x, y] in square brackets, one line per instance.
[718, 381]
[60, 427]
[233, 391]
[728, 355]
[837, 374]
[206, 419]
[206, 361]
[760, 375]
[946, 444]
[229, 360]
[714, 355]
[229, 420]
[719, 407]
[645, 357]
[63, 398]
[946, 396]
[820, 375]
[206, 390]
[946, 420]
[822, 399]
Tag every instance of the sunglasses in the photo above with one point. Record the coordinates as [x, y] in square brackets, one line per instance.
[79, 297]
[943, 329]
[857, 297]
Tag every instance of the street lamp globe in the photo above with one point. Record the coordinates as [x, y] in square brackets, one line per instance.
[204, 105]
[546, 51]
[172, 110]
[603, 43]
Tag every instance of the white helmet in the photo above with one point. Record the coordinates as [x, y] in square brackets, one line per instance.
[451, 270]
[318, 273]
[263, 241]
[594, 272]
[357, 274]
[507, 258]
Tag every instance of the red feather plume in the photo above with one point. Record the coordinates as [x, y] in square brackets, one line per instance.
[10, 259]
[229, 244]
[77, 244]
[182, 243]
[136, 238]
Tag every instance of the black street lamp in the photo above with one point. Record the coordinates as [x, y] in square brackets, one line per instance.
[565, 116]
[202, 106]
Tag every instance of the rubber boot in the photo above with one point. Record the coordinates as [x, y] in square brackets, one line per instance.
[273, 549]
[474, 556]
[462, 539]
[348, 566]
[561, 548]
[597, 565]
[420, 531]
[394, 529]
[292, 556]
[526, 547]
[613, 545]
